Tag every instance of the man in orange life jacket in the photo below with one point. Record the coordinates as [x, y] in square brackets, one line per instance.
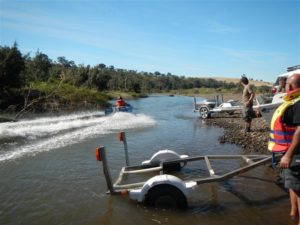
[285, 137]
[120, 102]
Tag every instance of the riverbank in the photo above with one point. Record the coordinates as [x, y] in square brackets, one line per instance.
[255, 141]
[62, 101]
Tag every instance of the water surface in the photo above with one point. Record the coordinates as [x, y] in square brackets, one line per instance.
[49, 174]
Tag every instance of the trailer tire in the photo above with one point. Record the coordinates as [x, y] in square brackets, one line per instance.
[204, 112]
[166, 196]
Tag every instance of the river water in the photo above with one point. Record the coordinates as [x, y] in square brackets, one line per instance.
[49, 174]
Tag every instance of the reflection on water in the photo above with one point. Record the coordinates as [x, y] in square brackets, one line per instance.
[49, 174]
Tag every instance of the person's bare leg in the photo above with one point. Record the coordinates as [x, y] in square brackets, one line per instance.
[247, 126]
[297, 195]
[294, 207]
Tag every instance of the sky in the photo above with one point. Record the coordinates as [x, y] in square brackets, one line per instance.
[192, 38]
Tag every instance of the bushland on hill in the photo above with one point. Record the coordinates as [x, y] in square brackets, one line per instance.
[40, 83]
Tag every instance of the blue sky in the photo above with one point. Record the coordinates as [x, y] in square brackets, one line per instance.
[217, 38]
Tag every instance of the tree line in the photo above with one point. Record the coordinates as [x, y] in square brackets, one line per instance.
[21, 73]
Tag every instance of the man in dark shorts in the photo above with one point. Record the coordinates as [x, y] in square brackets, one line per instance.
[248, 96]
[285, 137]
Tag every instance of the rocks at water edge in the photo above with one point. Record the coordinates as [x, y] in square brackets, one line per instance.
[255, 141]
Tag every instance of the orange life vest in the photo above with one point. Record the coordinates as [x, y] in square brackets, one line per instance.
[281, 135]
[120, 102]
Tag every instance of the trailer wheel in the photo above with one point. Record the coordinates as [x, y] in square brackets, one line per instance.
[166, 196]
[204, 113]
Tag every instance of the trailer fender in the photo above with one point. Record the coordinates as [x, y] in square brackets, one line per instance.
[161, 156]
[161, 180]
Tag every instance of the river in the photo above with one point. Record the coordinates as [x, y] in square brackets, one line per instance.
[49, 174]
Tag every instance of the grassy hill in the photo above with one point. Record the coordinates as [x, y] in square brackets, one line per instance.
[237, 80]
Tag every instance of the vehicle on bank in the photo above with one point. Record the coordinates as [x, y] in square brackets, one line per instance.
[268, 104]
[290, 71]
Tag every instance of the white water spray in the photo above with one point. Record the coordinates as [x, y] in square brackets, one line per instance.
[45, 134]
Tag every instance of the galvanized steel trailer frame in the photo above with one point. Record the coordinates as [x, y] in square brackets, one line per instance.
[205, 111]
[252, 161]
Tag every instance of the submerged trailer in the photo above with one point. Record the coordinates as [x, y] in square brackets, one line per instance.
[163, 188]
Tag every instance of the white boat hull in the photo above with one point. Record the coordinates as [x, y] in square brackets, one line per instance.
[267, 110]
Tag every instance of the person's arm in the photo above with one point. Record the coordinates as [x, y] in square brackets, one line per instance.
[252, 94]
[295, 145]
[286, 159]
[252, 97]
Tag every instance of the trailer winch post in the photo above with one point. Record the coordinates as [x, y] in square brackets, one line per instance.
[102, 154]
[195, 104]
[122, 137]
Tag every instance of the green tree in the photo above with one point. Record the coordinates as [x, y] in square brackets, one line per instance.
[99, 78]
[65, 63]
[11, 67]
[38, 68]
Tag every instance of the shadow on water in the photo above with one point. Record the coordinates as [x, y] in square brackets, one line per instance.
[245, 199]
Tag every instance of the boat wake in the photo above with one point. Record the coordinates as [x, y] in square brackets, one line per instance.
[29, 137]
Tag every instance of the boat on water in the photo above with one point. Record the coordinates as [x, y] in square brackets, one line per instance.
[114, 109]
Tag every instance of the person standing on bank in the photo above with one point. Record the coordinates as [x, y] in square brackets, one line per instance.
[285, 138]
[248, 96]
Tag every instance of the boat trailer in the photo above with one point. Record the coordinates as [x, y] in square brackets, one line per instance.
[165, 189]
[216, 106]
